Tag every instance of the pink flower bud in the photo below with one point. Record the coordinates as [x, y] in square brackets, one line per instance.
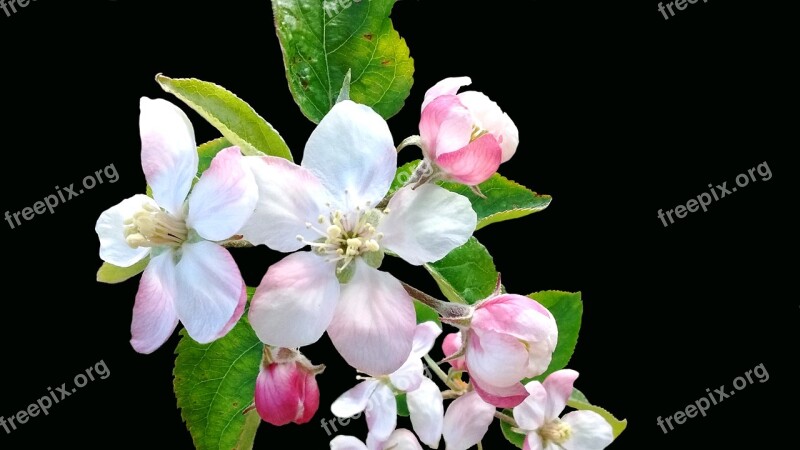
[450, 346]
[286, 388]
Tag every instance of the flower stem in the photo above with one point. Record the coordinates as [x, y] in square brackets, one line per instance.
[439, 372]
[445, 309]
[506, 419]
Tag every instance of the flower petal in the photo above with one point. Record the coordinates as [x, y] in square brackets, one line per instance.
[445, 126]
[347, 443]
[402, 439]
[154, 316]
[474, 163]
[209, 290]
[448, 86]
[426, 223]
[373, 327]
[589, 431]
[295, 301]
[451, 345]
[559, 387]
[353, 154]
[516, 315]
[289, 198]
[488, 116]
[530, 413]
[533, 442]
[425, 335]
[169, 152]
[466, 421]
[355, 400]
[426, 410]
[409, 376]
[381, 413]
[110, 228]
[224, 198]
[497, 359]
[500, 396]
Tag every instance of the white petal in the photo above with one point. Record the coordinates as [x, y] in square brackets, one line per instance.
[488, 116]
[352, 151]
[497, 359]
[448, 86]
[295, 301]
[373, 327]
[381, 413]
[589, 431]
[110, 228]
[426, 223]
[427, 412]
[466, 422]
[559, 387]
[289, 197]
[169, 152]
[347, 443]
[224, 198]
[424, 338]
[409, 376]
[210, 288]
[402, 439]
[355, 400]
[530, 413]
[154, 316]
[534, 442]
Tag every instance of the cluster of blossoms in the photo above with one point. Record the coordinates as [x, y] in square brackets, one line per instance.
[338, 205]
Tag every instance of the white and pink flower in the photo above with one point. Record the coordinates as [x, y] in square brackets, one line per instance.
[400, 439]
[510, 337]
[376, 395]
[286, 387]
[189, 278]
[537, 417]
[466, 422]
[330, 203]
[467, 136]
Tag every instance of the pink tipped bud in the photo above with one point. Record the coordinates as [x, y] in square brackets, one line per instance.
[286, 388]
[451, 346]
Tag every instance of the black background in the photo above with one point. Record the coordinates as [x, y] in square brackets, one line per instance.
[621, 114]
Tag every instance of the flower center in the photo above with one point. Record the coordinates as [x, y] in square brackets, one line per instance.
[346, 236]
[555, 431]
[151, 227]
[476, 133]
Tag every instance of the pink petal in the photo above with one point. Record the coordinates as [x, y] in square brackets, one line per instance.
[500, 396]
[110, 228]
[286, 393]
[426, 223]
[373, 327]
[445, 126]
[466, 421]
[295, 301]
[496, 359]
[289, 198]
[448, 86]
[589, 431]
[355, 400]
[224, 198]
[473, 164]
[488, 116]
[381, 413]
[209, 290]
[530, 414]
[427, 411]
[154, 316]
[516, 315]
[559, 387]
[451, 345]
[237, 314]
[352, 152]
[169, 152]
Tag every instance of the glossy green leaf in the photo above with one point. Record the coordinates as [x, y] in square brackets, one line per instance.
[579, 401]
[567, 309]
[208, 151]
[215, 383]
[467, 274]
[426, 314]
[323, 39]
[513, 437]
[112, 274]
[229, 114]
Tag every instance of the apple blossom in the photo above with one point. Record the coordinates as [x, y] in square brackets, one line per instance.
[400, 439]
[466, 421]
[189, 278]
[537, 417]
[467, 136]
[330, 203]
[286, 387]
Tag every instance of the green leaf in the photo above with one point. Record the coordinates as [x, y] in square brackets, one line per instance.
[467, 274]
[426, 314]
[323, 39]
[112, 274]
[208, 151]
[505, 200]
[229, 114]
[567, 309]
[402, 175]
[510, 435]
[578, 401]
[215, 383]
